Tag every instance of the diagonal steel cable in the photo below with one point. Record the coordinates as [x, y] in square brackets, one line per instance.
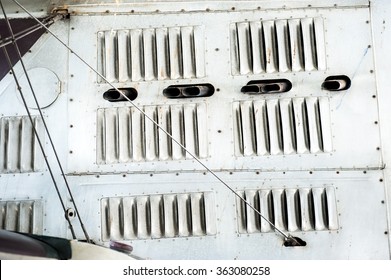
[286, 236]
[43, 120]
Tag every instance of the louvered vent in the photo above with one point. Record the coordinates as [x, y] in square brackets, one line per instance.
[277, 46]
[22, 216]
[19, 149]
[158, 216]
[283, 126]
[152, 54]
[304, 209]
[125, 135]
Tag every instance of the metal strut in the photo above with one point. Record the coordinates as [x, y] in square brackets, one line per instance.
[287, 237]
[45, 126]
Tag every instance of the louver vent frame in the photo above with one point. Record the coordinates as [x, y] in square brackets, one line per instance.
[271, 46]
[150, 54]
[290, 209]
[158, 216]
[282, 126]
[19, 149]
[124, 135]
[22, 216]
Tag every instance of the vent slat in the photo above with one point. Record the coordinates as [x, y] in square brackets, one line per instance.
[201, 130]
[150, 135]
[189, 126]
[174, 38]
[320, 43]
[114, 224]
[111, 125]
[235, 49]
[246, 112]
[309, 48]
[24, 219]
[149, 54]
[313, 124]
[270, 46]
[301, 142]
[164, 141]
[274, 126]
[177, 124]
[210, 213]
[123, 56]
[287, 126]
[293, 223]
[129, 209]
[137, 134]
[241, 213]
[265, 210]
[143, 217]
[318, 209]
[11, 218]
[244, 48]
[197, 214]
[325, 124]
[257, 47]
[157, 223]
[27, 146]
[332, 209]
[187, 42]
[184, 215]
[101, 137]
[252, 217]
[278, 208]
[13, 145]
[137, 63]
[260, 128]
[110, 49]
[304, 195]
[296, 47]
[162, 51]
[283, 46]
[124, 141]
[170, 218]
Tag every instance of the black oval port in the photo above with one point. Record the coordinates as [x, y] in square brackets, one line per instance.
[336, 83]
[294, 242]
[267, 86]
[113, 95]
[188, 91]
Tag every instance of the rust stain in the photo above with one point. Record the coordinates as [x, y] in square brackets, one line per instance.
[268, 55]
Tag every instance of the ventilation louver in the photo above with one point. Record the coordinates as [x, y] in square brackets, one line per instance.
[304, 209]
[152, 54]
[158, 216]
[124, 135]
[282, 126]
[22, 216]
[19, 149]
[277, 46]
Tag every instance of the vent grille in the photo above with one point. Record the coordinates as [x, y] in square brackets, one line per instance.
[304, 209]
[22, 216]
[277, 46]
[152, 54]
[283, 126]
[125, 135]
[158, 216]
[19, 149]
